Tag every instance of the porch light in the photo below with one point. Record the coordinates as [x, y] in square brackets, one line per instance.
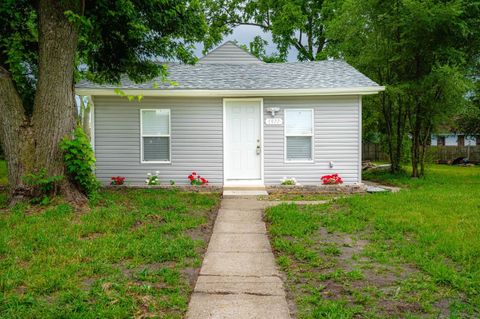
[273, 110]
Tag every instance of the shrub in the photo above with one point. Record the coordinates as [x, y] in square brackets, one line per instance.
[80, 161]
[43, 185]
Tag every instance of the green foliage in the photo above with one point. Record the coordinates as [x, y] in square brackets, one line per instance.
[257, 48]
[80, 161]
[421, 50]
[298, 24]
[152, 180]
[43, 185]
[468, 121]
[126, 38]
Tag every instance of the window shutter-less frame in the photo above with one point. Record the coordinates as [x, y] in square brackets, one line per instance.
[299, 135]
[155, 135]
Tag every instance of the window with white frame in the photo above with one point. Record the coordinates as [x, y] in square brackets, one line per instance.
[155, 134]
[299, 135]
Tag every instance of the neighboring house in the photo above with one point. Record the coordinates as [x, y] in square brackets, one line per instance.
[453, 139]
[234, 120]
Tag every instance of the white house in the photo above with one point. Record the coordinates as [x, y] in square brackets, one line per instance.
[235, 120]
[453, 139]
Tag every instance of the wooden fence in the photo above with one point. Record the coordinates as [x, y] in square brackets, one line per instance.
[373, 152]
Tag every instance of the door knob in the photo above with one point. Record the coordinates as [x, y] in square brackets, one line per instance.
[258, 147]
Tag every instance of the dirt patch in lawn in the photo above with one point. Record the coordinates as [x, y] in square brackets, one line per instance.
[345, 273]
[360, 280]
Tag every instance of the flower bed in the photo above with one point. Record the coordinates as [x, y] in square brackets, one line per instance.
[188, 188]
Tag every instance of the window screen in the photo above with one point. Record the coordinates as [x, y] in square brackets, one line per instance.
[299, 135]
[155, 135]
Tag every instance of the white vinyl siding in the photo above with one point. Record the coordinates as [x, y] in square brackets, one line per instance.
[299, 135]
[155, 135]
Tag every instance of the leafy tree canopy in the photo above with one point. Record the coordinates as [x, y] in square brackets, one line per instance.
[115, 38]
[296, 24]
[422, 50]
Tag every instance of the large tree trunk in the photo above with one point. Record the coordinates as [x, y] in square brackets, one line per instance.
[54, 115]
[31, 144]
[16, 136]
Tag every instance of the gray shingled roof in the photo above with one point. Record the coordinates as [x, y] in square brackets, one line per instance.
[255, 76]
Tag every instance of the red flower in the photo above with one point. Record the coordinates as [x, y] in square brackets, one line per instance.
[331, 179]
[197, 180]
[117, 180]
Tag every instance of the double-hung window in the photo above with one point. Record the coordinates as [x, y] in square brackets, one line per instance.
[155, 135]
[299, 135]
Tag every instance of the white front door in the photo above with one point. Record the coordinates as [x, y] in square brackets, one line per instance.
[243, 140]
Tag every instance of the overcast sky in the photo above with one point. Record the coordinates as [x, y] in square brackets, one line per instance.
[245, 34]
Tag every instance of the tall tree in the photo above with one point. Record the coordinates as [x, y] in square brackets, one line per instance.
[296, 24]
[421, 50]
[42, 43]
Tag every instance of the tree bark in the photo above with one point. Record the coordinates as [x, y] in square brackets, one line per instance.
[31, 144]
[16, 135]
[54, 115]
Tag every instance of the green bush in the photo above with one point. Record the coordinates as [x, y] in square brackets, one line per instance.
[80, 161]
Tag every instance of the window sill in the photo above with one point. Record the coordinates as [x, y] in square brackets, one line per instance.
[300, 162]
[155, 162]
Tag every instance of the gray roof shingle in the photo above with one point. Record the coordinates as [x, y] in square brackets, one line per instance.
[253, 76]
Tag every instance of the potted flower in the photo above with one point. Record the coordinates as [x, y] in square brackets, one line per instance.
[333, 179]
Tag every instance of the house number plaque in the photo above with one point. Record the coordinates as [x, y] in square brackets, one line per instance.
[274, 121]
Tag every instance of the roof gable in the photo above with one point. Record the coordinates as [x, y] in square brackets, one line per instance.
[229, 53]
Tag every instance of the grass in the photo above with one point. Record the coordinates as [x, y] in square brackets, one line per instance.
[133, 254]
[410, 254]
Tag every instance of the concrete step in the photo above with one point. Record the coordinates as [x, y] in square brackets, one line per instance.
[238, 191]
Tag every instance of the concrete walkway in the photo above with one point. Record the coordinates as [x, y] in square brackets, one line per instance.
[239, 278]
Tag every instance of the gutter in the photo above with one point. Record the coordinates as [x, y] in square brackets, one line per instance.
[232, 93]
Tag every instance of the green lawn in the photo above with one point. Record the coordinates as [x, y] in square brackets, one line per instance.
[135, 253]
[410, 254]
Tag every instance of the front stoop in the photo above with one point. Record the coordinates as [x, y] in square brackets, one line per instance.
[239, 278]
[235, 191]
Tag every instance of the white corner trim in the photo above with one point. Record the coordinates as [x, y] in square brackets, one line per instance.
[92, 122]
[360, 128]
[234, 93]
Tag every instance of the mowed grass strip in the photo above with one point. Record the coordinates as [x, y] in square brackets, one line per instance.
[410, 254]
[134, 254]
